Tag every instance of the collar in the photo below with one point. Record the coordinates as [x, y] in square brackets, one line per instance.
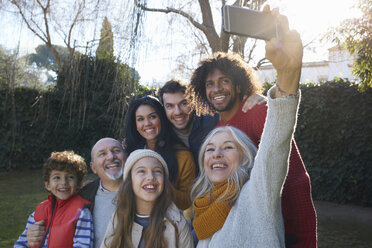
[102, 188]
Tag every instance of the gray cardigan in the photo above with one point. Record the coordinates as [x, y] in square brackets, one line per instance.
[256, 219]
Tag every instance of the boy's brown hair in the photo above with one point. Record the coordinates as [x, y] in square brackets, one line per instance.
[65, 161]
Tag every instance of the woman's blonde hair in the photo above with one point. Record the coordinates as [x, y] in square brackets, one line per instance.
[203, 185]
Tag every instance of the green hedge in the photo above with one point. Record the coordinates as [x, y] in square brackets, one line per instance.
[334, 136]
[88, 103]
[334, 131]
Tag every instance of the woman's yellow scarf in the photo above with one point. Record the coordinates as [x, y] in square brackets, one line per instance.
[210, 211]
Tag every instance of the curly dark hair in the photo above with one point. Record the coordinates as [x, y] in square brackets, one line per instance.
[234, 67]
[65, 161]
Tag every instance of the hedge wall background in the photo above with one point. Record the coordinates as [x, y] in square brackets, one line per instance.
[334, 136]
[334, 132]
[88, 102]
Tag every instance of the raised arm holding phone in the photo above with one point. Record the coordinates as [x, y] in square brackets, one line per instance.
[237, 204]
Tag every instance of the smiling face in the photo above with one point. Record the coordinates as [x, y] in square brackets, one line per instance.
[62, 184]
[177, 110]
[148, 124]
[108, 159]
[147, 182]
[221, 158]
[220, 91]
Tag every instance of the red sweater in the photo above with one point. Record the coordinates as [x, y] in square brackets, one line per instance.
[297, 204]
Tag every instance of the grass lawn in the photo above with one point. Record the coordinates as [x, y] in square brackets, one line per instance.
[20, 193]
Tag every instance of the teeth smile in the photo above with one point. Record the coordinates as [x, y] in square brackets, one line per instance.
[218, 166]
[149, 187]
[219, 98]
[112, 166]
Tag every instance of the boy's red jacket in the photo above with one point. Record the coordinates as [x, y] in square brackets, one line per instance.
[60, 217]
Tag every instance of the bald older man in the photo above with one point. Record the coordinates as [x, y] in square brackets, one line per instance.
[107, 161]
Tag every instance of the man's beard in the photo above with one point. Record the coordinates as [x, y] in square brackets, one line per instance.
[115, 176]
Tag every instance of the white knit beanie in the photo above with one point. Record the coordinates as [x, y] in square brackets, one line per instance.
[141, 153]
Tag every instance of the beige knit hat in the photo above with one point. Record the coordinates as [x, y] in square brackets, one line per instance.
[141, 153]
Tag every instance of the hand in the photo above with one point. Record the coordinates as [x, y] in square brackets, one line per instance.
[285, 54]
[253, 100]
[35, 233]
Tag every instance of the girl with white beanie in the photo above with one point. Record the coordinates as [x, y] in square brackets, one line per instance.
[145, 214]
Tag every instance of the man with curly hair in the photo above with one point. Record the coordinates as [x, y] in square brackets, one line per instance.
[218, 86]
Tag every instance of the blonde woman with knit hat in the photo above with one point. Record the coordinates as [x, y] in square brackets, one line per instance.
[145, 214]
[236, 198]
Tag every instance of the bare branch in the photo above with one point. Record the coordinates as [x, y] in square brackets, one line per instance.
[78, 12]
[45, 15]
[176, 11]
[260, 63]
[250, 55]
[20, 11]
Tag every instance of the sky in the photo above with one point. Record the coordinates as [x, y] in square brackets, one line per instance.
[157, 56]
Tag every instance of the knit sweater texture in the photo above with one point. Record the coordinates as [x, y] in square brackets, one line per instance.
[103, 209]
[297, 204]
[185, 178]
[255, 220]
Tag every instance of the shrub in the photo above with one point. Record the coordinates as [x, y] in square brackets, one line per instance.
[88, 103]
[334, 136]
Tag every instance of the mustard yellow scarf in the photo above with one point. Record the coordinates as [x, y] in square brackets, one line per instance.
[211, 212]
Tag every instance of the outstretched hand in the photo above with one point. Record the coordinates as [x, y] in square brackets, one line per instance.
[285, 54]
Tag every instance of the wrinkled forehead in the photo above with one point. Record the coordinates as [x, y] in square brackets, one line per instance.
[105, 144]
[222, 136]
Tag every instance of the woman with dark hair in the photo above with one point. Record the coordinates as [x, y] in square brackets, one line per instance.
[145, 215]
[148, 127]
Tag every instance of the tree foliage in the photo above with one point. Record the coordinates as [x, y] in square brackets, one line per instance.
[106, 42]
[43, 57]
[356, 35]
[15, 71]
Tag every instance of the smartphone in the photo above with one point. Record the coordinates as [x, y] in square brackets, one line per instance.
[249, 22]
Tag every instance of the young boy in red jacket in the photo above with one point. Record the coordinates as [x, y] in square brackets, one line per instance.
[66, 215]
